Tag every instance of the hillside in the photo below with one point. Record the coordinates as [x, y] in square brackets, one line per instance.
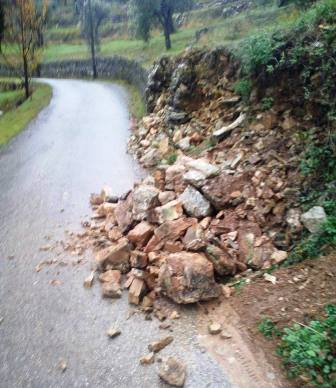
[208, 25]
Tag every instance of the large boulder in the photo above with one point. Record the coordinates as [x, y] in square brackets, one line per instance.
[314, 218]
[168, 212]
[194, 203]
[188, 278]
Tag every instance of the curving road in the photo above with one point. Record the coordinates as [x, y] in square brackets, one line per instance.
[73, 148]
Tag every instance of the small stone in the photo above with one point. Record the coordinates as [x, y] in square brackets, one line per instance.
[270, 278]
[214, 328]
[136, 291]
[62, 366]
[173, 372]
[148, 359]
[112, 332]
[226, 290]
[225, 335]
[160, 344]
[88, 282]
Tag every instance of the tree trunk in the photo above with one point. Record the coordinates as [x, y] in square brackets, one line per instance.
[166, 29]
[26, 76]
[92, 43]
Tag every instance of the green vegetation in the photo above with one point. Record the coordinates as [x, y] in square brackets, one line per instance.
[268, 328]
[243, 87]
[15, 120]
[136, 103]
[309, 351]
[10, 99]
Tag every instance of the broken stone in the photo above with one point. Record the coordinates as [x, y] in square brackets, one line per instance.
[141, 234]
[224, 132]
[270, 278]
[169, 212]
[160, 344]
[88, 282]
[145, 198]
[112, 332]
[63, 366]
[194, 203]
[184, 143]
[166, 196]
[221, 260]
[148, 359]
[278, 257]
[194, 238]
[188, 278]
[293, 220]
[214, 328]
[136, 291]
[111, 287]
[314, 218]
[117, 257]
[138, 259]
[173, 372]
[218, 190]
[202, 166]
[123, 214]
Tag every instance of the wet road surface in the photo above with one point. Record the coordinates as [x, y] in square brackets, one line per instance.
[73, 148]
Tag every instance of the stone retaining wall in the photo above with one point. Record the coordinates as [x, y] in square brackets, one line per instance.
[114, 67]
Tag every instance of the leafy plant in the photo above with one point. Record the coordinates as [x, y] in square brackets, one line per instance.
[171, 159]
[268, 328]
[267, 103]
[243, 87]
[310, 351]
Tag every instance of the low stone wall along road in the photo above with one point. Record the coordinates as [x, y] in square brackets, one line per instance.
[52, 329]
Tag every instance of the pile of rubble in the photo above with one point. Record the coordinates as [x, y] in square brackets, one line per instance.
[200, 219]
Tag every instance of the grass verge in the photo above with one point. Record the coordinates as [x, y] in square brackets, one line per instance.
[14, 121]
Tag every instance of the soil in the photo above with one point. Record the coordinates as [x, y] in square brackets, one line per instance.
[299, 295]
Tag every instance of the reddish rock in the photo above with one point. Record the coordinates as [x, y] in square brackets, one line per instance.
[194, 238]
[111, 287]
[218, 190]
[141, 234]
[136, 291]
[115, 257]
[221, 260]
[188, 278]
[138, 259]
[123, 214]
[168, 231]
[168, 212]
[173, 246]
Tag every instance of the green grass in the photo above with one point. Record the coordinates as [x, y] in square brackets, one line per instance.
[227, 32]
[10, 99]
[135, 100]
[14, 121]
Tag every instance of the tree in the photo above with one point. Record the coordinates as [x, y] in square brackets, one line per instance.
[93, 13]
[22, 49]
[148, 13]
[2, 21]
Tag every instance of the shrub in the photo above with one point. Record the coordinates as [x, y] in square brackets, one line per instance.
[310, 351]
[243, 87]
[267, 103]
[268, 328]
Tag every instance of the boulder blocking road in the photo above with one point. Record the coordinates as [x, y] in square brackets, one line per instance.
[52, 329]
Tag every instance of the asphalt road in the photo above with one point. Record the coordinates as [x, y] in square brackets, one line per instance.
[73, 148]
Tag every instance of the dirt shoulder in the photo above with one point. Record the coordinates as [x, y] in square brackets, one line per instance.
[298, 296]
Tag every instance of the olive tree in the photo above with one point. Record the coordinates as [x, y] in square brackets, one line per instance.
[149, 13]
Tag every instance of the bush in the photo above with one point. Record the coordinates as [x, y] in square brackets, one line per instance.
[243, 87]
[268, 328]
[309, 351]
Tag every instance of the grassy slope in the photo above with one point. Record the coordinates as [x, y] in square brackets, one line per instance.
[227, 32]
[14, 121]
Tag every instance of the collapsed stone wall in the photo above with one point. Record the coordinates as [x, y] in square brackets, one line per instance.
[115, 67]
[224, 206]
